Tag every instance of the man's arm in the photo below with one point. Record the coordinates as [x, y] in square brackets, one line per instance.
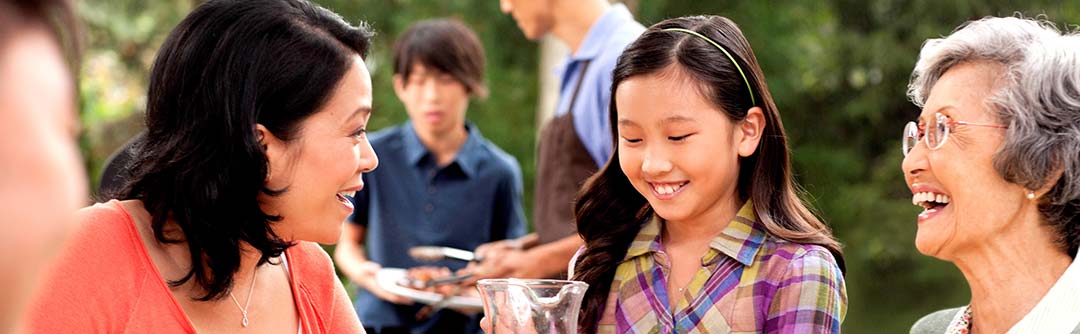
[550, 259]
[504, 260]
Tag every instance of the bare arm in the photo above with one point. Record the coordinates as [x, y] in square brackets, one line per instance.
[528, 241]
[551, 258]
[513, 258]
[351, 259]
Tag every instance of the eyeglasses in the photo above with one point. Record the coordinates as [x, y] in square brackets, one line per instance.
[939, 128]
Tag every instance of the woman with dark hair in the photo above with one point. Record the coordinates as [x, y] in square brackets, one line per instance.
[255, 113]
[42, 181]
[695, 224]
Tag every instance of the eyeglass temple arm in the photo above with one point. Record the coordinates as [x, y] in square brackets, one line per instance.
[984, 125]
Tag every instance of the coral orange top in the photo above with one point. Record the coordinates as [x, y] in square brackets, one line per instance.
[103, 281]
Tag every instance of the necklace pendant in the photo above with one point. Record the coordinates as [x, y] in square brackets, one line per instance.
[244, 321]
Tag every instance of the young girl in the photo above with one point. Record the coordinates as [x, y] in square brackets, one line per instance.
[695, 226]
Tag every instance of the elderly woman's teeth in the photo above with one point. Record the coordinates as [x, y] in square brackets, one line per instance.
[929, 199]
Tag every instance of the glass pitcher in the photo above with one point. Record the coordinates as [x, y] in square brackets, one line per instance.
[532, 306]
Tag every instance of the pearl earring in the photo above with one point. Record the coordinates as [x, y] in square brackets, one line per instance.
[1031, 195]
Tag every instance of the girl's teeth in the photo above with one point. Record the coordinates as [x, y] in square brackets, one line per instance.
[666, 189]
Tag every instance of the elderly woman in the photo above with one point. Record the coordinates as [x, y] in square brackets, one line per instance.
[994, 160]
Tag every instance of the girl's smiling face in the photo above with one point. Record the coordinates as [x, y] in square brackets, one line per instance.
[679, 150]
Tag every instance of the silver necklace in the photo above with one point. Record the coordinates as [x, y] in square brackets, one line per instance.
[244, 310]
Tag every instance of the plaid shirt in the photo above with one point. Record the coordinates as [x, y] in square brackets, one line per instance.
[749, 282]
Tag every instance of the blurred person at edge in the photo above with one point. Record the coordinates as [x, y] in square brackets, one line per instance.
[441, 182]
[42, 181]
[994, 160]
[256, 128]
[575, 143]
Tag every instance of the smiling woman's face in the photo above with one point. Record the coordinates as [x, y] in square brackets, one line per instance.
[322, 163]
[965, 200]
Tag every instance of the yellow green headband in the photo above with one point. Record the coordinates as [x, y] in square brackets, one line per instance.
[717, 45]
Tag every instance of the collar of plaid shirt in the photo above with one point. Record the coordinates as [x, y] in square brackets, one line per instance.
[749, 282]
[739, 240]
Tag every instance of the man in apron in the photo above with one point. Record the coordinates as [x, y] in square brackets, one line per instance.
[577, 141]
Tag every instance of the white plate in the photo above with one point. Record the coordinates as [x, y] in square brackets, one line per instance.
[388, 278]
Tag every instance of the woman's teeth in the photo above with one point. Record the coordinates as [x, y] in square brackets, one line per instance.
[929, 199]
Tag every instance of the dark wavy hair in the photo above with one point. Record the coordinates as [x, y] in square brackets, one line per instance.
[229, 65]
[610, 212]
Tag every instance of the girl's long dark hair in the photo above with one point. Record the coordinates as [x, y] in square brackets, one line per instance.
[229, 65]
[610, 212]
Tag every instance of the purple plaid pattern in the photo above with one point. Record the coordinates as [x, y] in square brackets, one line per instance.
[749, 282]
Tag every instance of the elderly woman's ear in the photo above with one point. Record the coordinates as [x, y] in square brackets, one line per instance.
[1051, 180]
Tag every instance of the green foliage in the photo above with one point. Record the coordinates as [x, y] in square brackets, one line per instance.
[838, 70]
[123, 36]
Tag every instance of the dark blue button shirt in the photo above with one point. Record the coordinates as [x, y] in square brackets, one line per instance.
[410, 201]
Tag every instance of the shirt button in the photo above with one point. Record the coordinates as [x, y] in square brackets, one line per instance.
[428, 207]
[431, 190]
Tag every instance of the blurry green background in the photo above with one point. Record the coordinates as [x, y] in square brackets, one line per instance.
[838, 70]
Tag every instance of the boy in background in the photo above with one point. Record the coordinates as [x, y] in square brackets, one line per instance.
[440, 182]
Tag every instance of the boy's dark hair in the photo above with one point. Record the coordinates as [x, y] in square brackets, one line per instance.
[446, 45]
[229, 65]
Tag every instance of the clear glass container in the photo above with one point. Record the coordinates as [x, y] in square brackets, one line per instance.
[532, 306]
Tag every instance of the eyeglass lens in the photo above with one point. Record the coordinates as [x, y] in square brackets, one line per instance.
[937, 131]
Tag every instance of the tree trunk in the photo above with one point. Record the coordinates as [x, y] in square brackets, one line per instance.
[552, 54]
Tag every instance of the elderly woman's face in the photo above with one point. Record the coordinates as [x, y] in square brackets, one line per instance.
[965, 200]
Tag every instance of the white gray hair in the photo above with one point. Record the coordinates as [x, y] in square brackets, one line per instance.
[1039, 101]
